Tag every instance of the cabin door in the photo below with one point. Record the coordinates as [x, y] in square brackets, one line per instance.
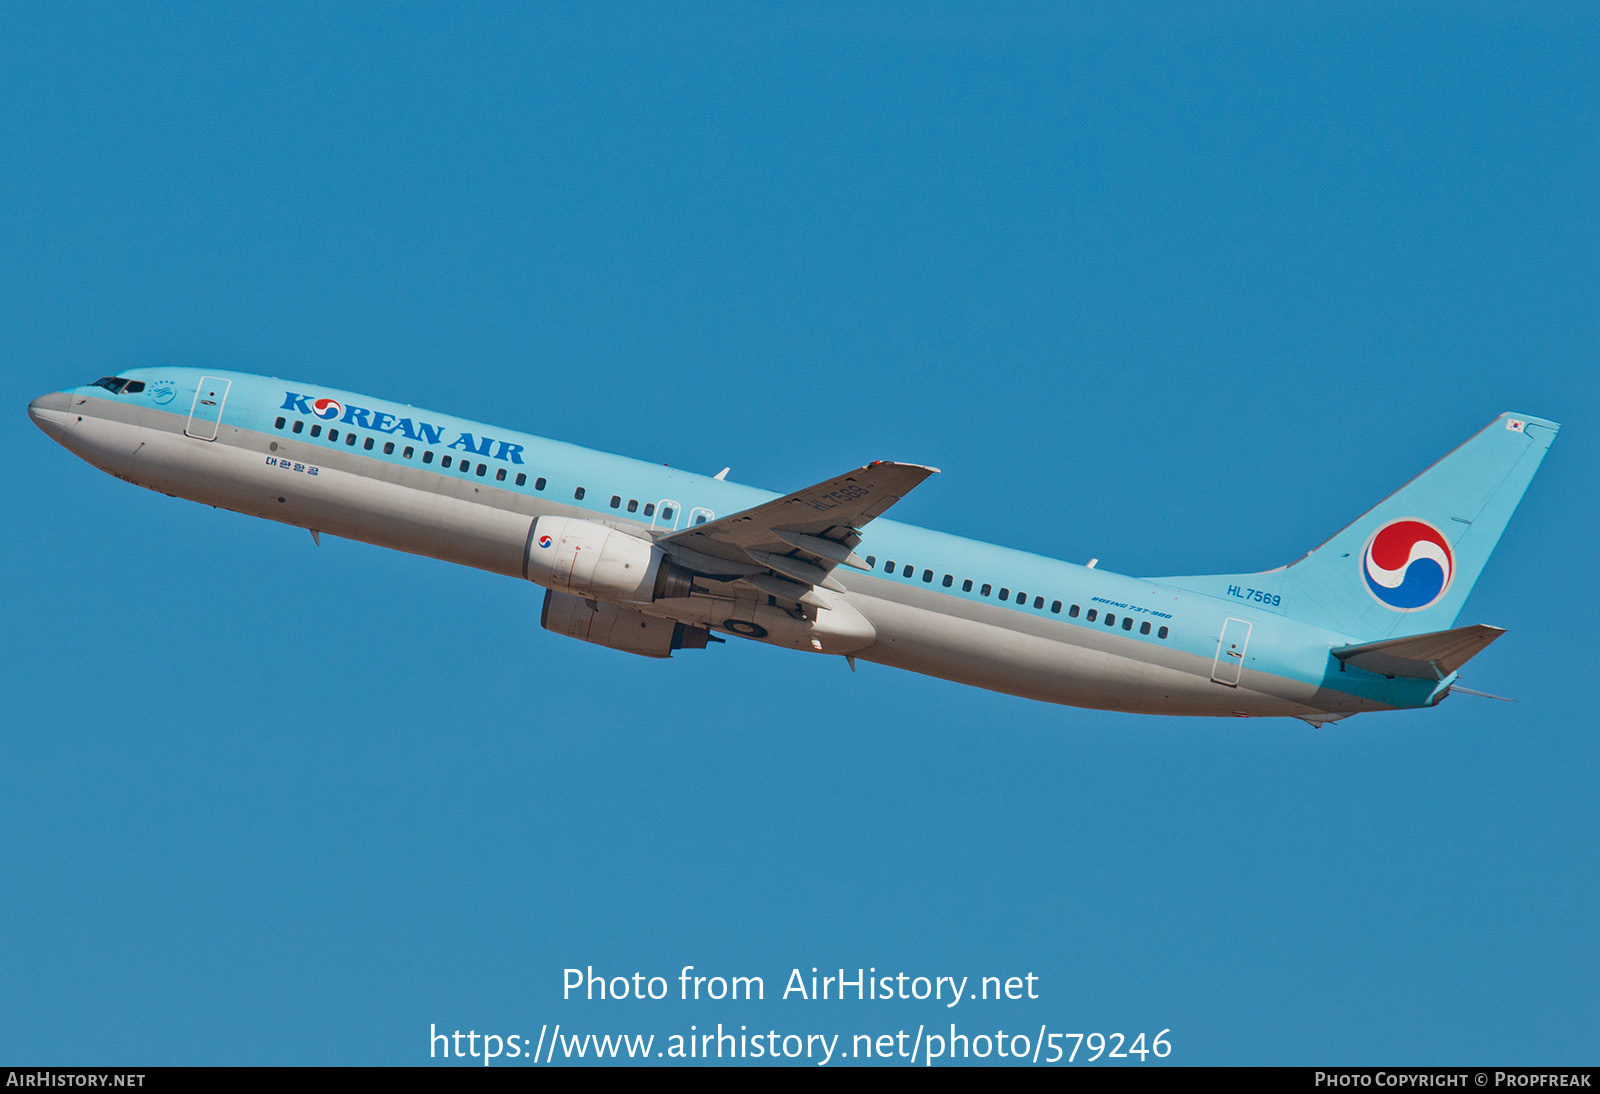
[206, 413]
[1230, 652]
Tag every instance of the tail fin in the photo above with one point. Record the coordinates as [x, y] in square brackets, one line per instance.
[1406, 566]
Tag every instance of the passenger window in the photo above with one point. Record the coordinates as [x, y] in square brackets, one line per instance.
[278, 424]
[985, 590]
[444, 461]
[948, 581]
[1127, 622]
[666, 513]
[316, 431]
[1005, 594]
[538, 484]
[578, 493]
[367, 444]
[966, 586]
[1022, 598]
[872, 560]
[649, 508]
[1162, 633]
[427, 457]
[1038, 602]
[333, 436]
[408, 453]
[499, 474]
[388, 448]
[888, 567]
[350, 439]
[483, 469]
[1090, 615]
[1111, 620]
[1144, 628]
[927, 577]
[298, 425]
[633, 505]
[522, 478]
[1072, 612]
[616, 501]
[1055, 606]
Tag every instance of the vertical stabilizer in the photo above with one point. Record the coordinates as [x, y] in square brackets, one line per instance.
[1406, 566]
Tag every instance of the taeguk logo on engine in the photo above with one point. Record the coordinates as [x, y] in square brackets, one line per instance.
[1408, 564]
[327, 409]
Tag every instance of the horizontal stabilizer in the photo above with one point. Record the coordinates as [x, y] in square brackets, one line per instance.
[1430, 656]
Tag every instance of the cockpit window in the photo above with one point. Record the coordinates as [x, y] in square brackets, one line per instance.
[119, 386]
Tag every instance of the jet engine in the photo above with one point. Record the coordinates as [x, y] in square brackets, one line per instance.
[583, 558]
[620, 628]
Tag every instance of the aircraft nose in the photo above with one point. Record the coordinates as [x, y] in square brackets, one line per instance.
[49, 412]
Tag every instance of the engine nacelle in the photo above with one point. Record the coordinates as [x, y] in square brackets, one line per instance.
[620, 628]
[583, 558]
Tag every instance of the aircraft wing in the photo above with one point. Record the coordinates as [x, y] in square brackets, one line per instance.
[799, 538]
[1430, 656]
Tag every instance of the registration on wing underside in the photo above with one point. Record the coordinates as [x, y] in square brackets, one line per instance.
[818, 525]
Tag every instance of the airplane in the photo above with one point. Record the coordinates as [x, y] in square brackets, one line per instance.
[651, 560]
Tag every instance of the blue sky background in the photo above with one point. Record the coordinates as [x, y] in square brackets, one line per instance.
[1181, 287]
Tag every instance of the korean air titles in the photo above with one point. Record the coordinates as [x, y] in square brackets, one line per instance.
[378, 421]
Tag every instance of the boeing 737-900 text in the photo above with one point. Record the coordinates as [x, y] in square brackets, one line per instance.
[648, 559]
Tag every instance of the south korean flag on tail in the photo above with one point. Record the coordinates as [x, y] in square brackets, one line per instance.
[1516, 425]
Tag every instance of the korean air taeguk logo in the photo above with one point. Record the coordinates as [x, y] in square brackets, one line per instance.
[327, 408]
[1408, 564]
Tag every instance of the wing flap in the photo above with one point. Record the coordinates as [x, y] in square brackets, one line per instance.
[822, 548]
[796, 570]
[1431, 656]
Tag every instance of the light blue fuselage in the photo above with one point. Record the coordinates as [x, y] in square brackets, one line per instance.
[376, 472]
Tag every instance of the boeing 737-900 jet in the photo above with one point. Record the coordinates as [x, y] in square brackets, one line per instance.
[647, 559]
